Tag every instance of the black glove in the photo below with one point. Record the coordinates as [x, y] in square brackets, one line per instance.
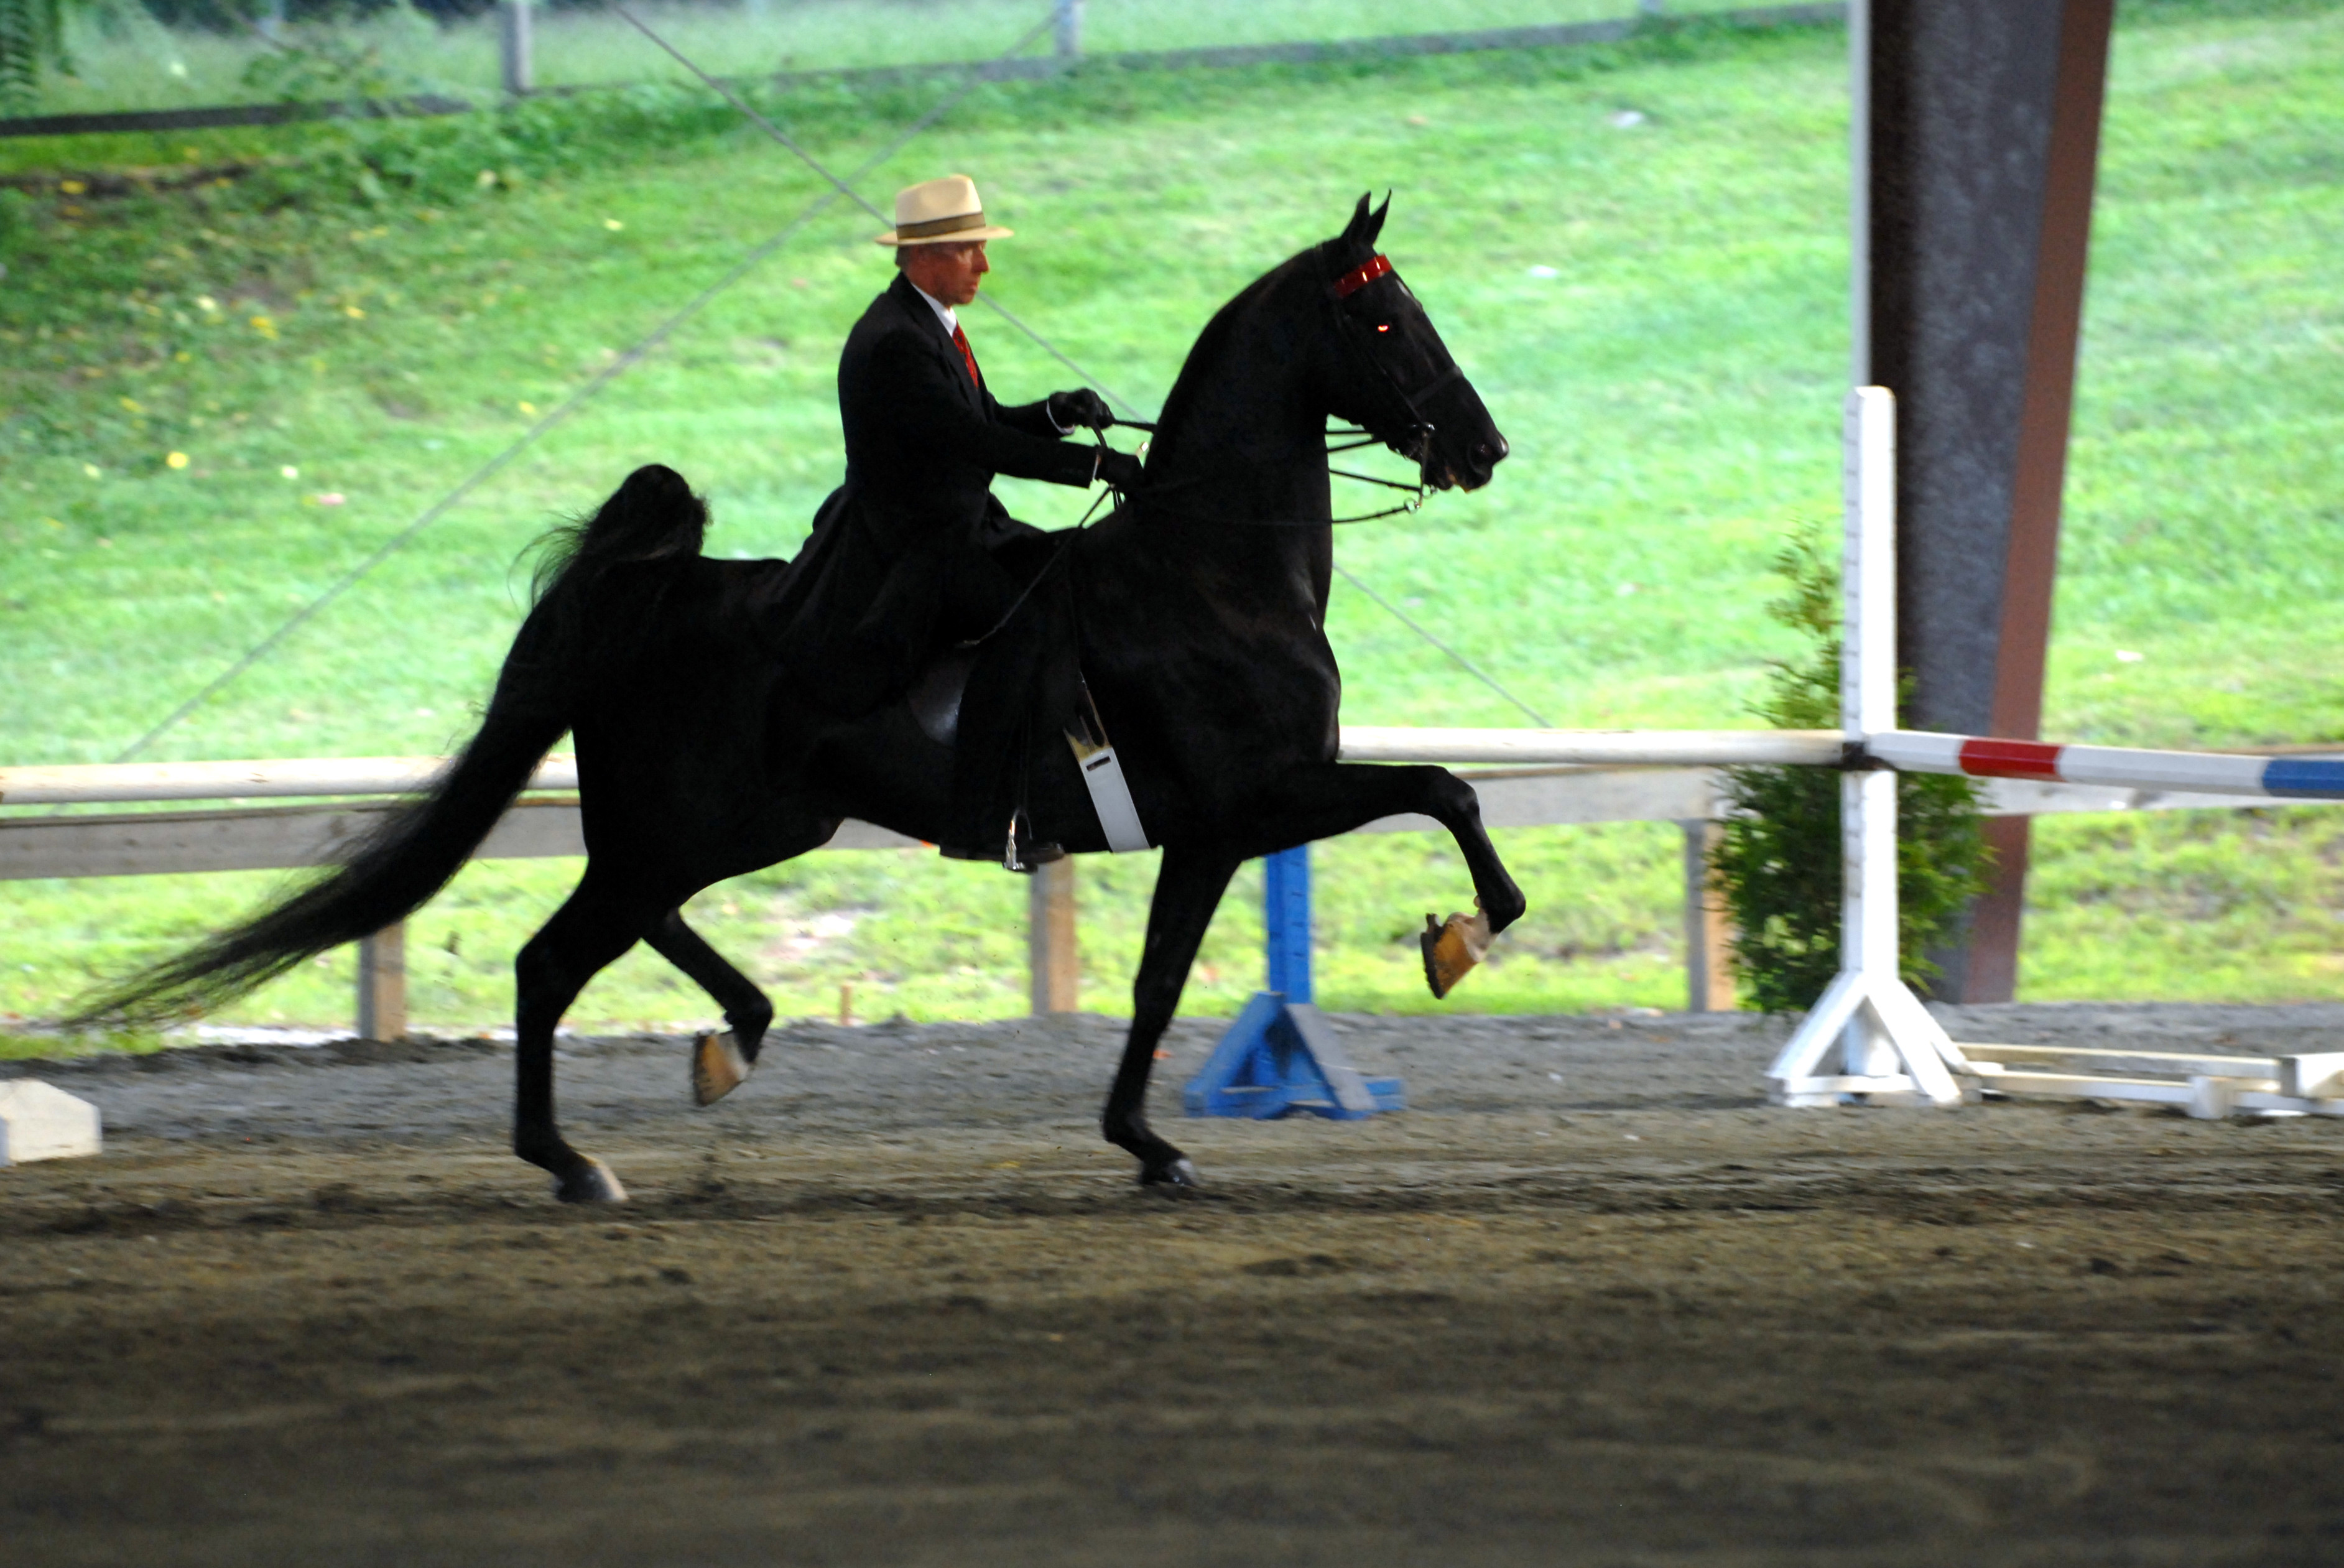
[1080, 408]
[1120, 469]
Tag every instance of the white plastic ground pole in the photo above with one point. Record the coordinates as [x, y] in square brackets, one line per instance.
[1889, 1048]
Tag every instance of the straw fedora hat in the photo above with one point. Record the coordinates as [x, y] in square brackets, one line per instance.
[941, 212]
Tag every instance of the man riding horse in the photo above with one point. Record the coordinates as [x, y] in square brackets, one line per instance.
[705, 752]
[913, 553]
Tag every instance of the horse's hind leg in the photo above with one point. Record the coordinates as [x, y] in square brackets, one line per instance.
[1188, 888]
[719, 1062]
[597, 924]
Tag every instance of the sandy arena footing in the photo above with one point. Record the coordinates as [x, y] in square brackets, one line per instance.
[1590, 1300]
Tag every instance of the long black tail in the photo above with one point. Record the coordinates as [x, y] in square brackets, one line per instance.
[396, 870]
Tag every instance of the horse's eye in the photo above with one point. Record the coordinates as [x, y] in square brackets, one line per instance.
[1383, 326]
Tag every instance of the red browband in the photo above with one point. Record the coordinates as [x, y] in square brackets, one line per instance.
[1358, 277]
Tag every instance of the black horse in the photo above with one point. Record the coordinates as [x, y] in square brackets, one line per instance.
[1202, 604]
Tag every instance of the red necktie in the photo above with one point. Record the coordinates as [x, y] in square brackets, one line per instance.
[967, 355]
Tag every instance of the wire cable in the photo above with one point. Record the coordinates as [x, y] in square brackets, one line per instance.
[1470, 667]
[577, 399]
[847, 189]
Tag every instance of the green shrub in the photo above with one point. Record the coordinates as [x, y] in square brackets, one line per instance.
[1778, 865]
[32, 43]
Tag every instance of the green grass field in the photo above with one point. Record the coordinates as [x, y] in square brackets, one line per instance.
[1670, 391]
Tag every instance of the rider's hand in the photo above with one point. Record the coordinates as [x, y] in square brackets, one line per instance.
[1080, 408]
[1120, 469]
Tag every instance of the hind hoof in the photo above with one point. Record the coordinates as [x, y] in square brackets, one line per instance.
[717, 1067]
[1179, 1176]
[592, 1182]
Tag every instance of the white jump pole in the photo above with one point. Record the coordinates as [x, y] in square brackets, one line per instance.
[1890, 1046]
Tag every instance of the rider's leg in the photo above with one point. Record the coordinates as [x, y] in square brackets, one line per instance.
[982, 601]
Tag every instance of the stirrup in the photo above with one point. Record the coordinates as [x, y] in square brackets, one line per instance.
[1025, 861]
[1030, 857]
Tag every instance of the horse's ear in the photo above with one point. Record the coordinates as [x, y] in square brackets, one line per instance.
[1367, 222]
[1375, 219]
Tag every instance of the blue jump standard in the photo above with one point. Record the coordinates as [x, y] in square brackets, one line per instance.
[1280, 1057]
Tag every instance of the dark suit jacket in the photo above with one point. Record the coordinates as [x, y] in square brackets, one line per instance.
[915, 545]
[924, 441]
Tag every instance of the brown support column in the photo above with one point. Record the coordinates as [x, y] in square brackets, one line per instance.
[2033, 558]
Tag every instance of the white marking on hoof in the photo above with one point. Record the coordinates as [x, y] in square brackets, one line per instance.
[717, 1067]
[595, 1183]
[1180, 1176]
[1453, 948]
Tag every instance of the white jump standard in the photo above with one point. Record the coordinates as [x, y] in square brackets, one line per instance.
[1889, 1045]
[1890, 1049]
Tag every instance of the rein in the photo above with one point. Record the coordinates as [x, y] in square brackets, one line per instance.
[1420, 491]
[1149, 499]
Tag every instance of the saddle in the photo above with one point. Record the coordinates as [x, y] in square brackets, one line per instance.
[1028, 671]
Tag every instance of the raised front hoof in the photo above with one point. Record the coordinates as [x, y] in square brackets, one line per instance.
[1174, 1176]
[717, 1067]
[592, 1182]
[1452, 950]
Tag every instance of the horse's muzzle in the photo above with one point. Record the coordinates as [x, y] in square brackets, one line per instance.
[1481, 463]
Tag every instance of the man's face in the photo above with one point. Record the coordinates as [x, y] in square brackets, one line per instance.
[948, 272]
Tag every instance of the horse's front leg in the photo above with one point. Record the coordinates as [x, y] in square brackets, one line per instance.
[1188, 888]
[1325, 799]
[1321, 801]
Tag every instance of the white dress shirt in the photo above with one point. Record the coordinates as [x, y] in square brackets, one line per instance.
[944, 312]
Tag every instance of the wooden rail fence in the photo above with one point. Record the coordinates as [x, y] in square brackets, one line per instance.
[1556, 778]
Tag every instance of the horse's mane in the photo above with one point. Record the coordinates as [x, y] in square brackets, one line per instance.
[1205, 355]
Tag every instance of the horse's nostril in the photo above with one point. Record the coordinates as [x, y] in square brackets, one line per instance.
[1494, 449]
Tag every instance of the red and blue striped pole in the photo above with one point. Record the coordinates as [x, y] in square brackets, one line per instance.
[2196, 772]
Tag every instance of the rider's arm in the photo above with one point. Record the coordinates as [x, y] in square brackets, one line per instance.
[932, 414]
[1033, 419]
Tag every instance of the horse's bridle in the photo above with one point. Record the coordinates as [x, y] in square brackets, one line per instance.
[1416, 443]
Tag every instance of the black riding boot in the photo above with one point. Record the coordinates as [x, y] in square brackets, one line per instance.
[991, 751]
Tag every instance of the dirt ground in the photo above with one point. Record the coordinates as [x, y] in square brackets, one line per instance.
[1589, 1300]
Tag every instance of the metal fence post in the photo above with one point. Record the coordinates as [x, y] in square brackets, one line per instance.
[1067, 15]
[1054, 962]
[382, 983]
[513, 48]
